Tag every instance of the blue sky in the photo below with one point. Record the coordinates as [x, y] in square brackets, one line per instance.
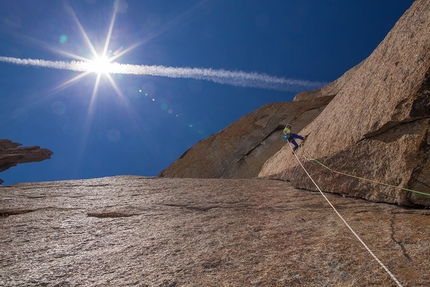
[146, 122]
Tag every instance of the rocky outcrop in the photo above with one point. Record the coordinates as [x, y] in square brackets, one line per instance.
[240, 150]
[377, 126]
[375, 131]
[135, 231]
[11, 154]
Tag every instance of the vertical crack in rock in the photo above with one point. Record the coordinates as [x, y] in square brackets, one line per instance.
[421, 105]
[257, 145]
[399, 243]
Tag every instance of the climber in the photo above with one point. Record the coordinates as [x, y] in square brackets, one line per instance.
[288, 135]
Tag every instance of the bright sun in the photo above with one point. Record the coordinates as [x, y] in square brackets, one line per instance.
[100, 65]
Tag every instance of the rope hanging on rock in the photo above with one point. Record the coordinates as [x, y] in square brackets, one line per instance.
[362, 178]
[346, 223]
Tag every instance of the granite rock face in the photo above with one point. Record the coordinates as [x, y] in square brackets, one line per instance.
[11, 154]
[240, 150]
[377, 126]
[135, 231]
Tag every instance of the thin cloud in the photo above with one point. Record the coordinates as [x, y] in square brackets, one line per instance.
[235, 78]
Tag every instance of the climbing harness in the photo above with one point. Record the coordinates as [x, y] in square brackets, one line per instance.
[347, 225]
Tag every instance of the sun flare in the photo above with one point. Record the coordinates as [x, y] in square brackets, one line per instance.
[100, 65]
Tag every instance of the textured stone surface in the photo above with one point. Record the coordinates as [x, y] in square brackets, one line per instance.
[377, 126]
[11, 154]
[240, 150]
[135, 231]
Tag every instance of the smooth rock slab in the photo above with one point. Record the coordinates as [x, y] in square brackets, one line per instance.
[136, 231]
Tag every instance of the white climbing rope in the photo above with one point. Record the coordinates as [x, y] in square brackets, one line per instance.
[347, 225]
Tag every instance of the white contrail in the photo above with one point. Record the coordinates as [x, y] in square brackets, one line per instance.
[235, 78]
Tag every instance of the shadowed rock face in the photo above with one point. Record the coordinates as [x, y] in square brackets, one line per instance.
[11, 154]
[377, 126]
[240, 150]
[135, 231]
